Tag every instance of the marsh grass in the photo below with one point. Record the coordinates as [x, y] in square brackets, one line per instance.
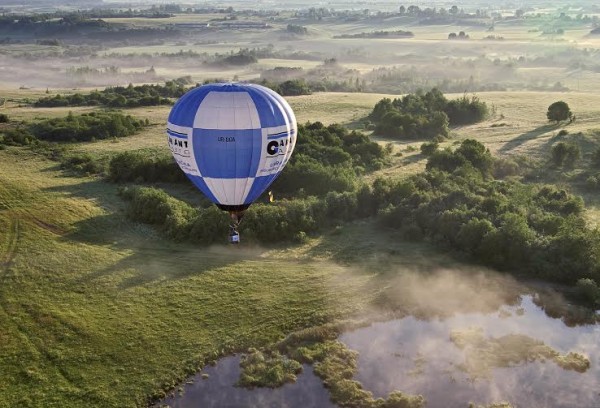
[484, 354]
[333, 362]
[267, 369]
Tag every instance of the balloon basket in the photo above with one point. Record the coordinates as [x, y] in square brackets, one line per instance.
[234, 235]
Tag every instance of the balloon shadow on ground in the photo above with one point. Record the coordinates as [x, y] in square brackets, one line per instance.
[147, 256]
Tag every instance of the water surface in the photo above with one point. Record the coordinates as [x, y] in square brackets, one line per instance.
[218, 390]
[417, 357]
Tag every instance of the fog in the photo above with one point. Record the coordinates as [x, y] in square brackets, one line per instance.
[417, 354]
[391, 71]
[498, 53]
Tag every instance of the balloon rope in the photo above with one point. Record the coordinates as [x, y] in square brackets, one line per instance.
[236, 217]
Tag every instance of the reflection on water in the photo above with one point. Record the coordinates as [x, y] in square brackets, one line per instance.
[218, 390]
[417, 357]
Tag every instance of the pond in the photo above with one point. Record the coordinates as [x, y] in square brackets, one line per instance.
[425, 356]
[219, 391]
[418, 357]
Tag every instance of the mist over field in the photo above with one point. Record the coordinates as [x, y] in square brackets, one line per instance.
[432, 241]
[118, 50]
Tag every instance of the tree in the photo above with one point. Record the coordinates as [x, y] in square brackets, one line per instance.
[402, 10]
[477, 154]
[413, 10]
[559, 111]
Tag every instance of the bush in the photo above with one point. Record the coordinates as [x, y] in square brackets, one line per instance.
[120, 96]
[154, 206]
[328, 158]
[588, 290]
[86, 127]
[525, 228]
[267, 369]
[464, 111]
[83, 163]
[509, 225]
[592, 182]
[428, 149]
[596, 158]
[425, 115]
[502, 168]
[3, 118]
[565, 154]
[16, 137]
[145, 166]
[293, 88]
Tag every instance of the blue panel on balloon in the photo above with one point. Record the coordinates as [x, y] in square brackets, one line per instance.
[259, 186]
[268, 111]
[227, 153]
[185, 109]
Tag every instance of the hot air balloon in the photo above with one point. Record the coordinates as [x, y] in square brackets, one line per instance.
[232, 140]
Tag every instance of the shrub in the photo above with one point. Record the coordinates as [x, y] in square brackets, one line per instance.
[425, 115]
[565, 154]
[86, 127]
[428, 149]
[145, 166]
[121, 96]
[588, 290]
[83, 163]
[596, 158]
[267, 369]
[502, 168]
[3, 118]
[16, 137]
[154, 206]
[464, 111]
[328, 159]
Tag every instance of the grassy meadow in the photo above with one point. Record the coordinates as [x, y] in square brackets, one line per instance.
[97, 310]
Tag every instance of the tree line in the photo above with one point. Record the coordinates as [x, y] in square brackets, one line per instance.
[326, 158]
[529, 229]
[122, 96]
[74, 128]
[378, 34]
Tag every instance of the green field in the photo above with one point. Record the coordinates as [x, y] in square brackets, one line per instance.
[97, 310]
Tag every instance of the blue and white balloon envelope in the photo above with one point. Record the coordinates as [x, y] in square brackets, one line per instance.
[232, 140]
